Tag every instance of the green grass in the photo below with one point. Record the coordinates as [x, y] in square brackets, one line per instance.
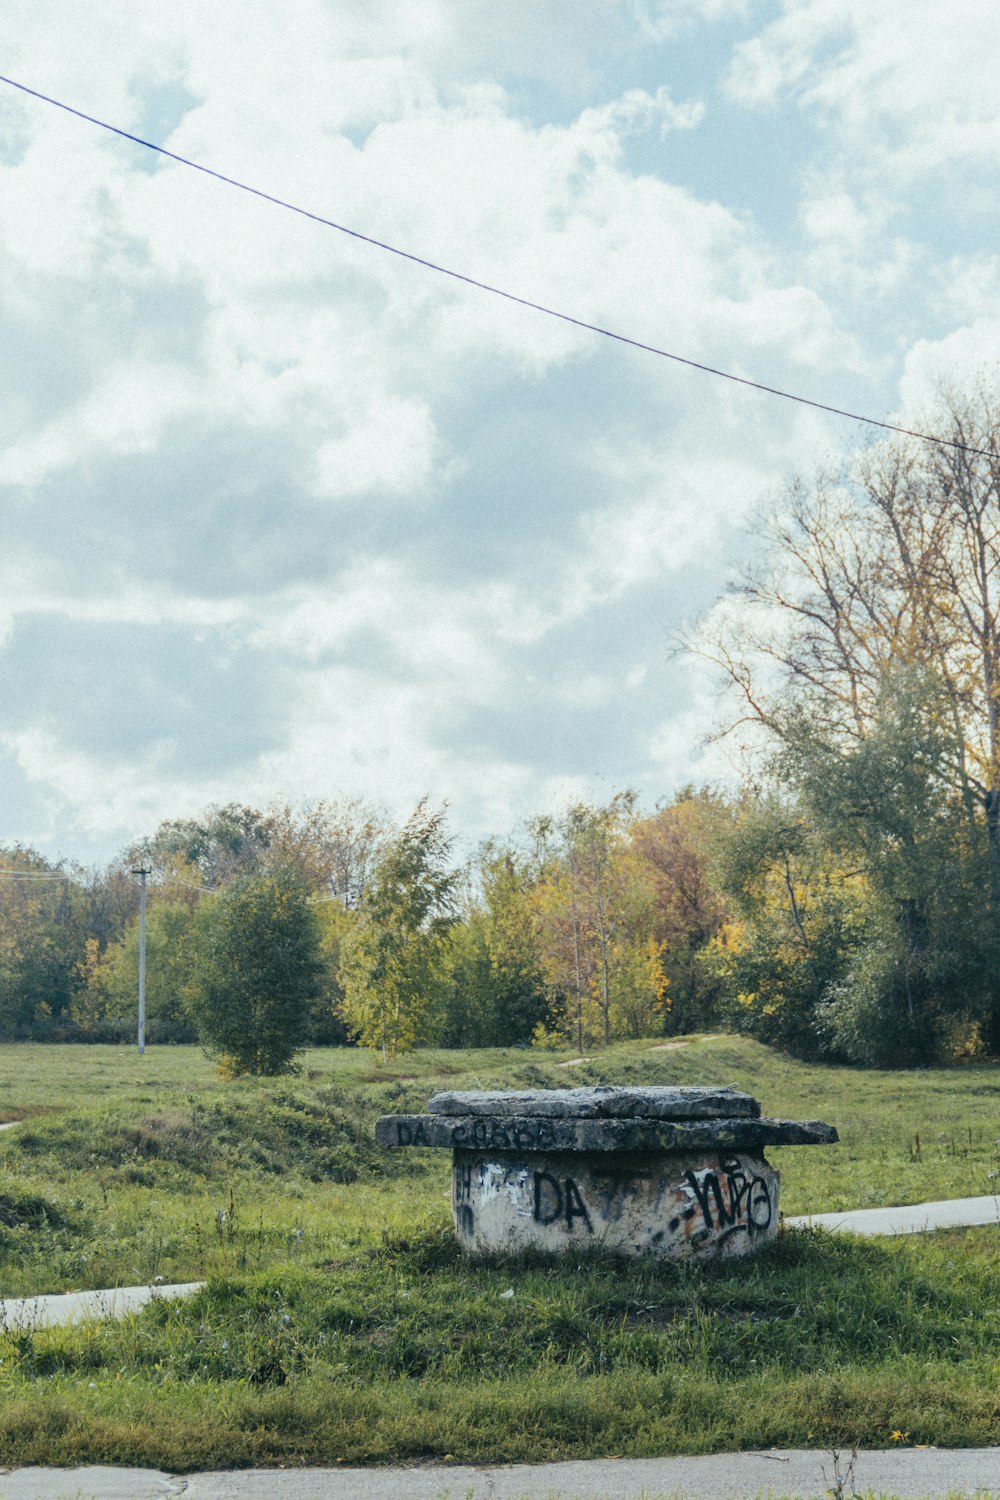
[341, 1323]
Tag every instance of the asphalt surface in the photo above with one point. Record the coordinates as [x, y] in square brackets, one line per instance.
[905, 1473]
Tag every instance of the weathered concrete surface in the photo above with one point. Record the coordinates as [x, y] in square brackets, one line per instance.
[659, 1172]
[55, 1311]
[604, 1101]
[661, 1207]
[96, 1482]
[539, 1133]
[931, 1474]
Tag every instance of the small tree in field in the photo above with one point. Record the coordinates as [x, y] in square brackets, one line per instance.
[256, 971]
[394, 958]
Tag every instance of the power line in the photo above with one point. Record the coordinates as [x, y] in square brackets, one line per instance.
[485, 286]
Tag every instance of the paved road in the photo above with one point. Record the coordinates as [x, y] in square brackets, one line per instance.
[906, 1473]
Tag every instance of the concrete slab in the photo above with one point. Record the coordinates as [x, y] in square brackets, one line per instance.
[77, 1307]
[915, 1218]
[601, 1101]
[547, 1133]
[96, 1483]
[802, 1475]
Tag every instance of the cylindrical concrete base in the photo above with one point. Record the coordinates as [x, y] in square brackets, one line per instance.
[666, 1205]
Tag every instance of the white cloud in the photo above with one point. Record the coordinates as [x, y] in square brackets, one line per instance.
[968, 286]
[959, 358]
[392, 449]
[93, 796]
[662, 19]
[420, 506]
[910, 93]
[126, 412]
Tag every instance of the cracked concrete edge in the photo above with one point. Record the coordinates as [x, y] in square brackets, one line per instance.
[797, 1474]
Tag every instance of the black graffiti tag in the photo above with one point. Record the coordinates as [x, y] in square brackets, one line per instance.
[739, 1201]
[759, 1204]
[555, 1200]
[464, 1211]
[463, 1182]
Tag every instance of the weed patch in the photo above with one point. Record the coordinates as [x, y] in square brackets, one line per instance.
[23, 1210]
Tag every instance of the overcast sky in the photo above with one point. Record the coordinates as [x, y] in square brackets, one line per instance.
[285, 517]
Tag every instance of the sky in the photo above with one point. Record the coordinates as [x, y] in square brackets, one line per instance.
[285, 517]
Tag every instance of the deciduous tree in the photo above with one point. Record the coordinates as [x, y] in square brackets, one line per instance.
[595, 921]
[256, 972]
[107, 1006]
[393, 961]
[42, 940]
[888, 573]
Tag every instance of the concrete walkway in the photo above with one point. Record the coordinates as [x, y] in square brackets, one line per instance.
[76, 1307]
[906, 1474]
[915, 1218]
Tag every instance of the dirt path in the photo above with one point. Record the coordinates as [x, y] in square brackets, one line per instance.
[710, 1036]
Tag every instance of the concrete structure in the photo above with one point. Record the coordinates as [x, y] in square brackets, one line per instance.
[661, 1172]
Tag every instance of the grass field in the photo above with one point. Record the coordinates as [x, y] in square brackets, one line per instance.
[340, 1322]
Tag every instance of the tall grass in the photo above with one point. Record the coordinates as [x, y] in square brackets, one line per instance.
[341, 1322]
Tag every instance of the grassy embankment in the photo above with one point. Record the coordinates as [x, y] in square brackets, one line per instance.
[340, 1322]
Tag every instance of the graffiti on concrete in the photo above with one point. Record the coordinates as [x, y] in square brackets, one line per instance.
[664, 1172]
[557, 1199]
[481, 1133]
[641, 1205]
[410, 1133]
[730, 1200]
[465, 1215]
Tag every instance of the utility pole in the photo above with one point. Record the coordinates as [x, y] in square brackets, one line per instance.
[142, 872]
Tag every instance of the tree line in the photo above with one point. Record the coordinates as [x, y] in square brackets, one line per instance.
[330, 925]
[843, 902]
